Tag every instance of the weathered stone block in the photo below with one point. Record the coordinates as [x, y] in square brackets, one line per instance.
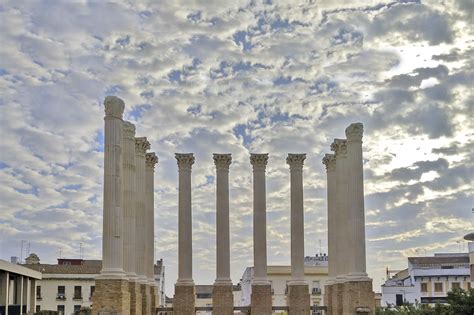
[146, 299]
[261, 299]
[358, 298]
[222, 300]
[328, 298]
[135, 298]
[111, 295]
[299, 299]
[153, 294]
[184, 301]
[337, 292]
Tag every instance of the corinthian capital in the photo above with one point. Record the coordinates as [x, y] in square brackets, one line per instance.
[354, 132]
[222, 161]
[114, 107]
[339, 146]
[329, 160]
[259, 161]
[185, 160]
[128, 130]
[141, 145]
[295, 161]
[151, 159]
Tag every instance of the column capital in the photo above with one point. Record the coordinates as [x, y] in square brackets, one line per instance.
[185, 160]
[259, 160]
[141, 145]
[150, 160]
[355, 132]
[329, 160]
[296, 160]
[128, 130]
[222, 161]
[114, 107]
[339, 146]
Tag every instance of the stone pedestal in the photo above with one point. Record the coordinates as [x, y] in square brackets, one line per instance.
[358, 298]
[184, 301]
[146, 299]
[153, 294]
[337, 293]
[298, 299]
[261, 299]
[111, 295]
[222, 300]
[135, 298]
[328, 290]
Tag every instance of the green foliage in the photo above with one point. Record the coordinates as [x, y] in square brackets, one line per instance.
[459, 302]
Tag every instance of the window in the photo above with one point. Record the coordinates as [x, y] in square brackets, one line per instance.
[469, 285]
[92, 290]
[60, 309]
[38, 292]
[77, 308]
[399, 299]
[424, 287]
[38, 308]
[61, 293]
[77, 292]
[438, 287]
[455, 285]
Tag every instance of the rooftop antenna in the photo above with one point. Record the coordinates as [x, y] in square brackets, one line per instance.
[60, 252]
[81, 251]
[21, 250]
[320, 248]
[28, 252]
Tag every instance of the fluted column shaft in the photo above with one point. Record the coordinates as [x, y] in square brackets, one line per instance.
[141, 145]
[296, 161]
[222, 162]
[329, 161]
[112, 241]
[129, 200]
[259, 163]
[339, 146]
[354, 135]
[185, 248]
[151, 159]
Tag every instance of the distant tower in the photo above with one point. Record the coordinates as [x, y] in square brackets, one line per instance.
[33, 259]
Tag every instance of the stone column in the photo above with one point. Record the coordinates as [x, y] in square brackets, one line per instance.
[141, 146]
[151, 160]
[261, 297]
[129, 203]
[184, 296]
[329, 162]
[298, 289]
[112, 293]
[222, 295]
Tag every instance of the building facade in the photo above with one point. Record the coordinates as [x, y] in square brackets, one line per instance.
[427, 280]
[68, 286]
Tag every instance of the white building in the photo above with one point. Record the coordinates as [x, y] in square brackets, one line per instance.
[68, 286]
[17, 288]
[316, 275]
[427, 279]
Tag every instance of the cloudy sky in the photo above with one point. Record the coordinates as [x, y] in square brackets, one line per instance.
[239, 77]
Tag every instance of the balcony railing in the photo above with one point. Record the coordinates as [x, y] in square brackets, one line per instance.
[316, 291]
[60, 296]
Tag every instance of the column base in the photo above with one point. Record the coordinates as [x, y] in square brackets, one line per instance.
[222, 299]
[328, 290]
[135, 298]
[184, 301]
[358, 298]
[111, 296]
[337, 296]
[146, 299]
[261, 299]
[298, 299]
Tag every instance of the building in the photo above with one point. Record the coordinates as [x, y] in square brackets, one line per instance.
[427, 280]
[68, 286]
[316, 275]
[17, 288]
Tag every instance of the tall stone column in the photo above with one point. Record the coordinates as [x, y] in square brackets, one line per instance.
[112, 293]
[222, 295]
[329, 162]
[141, 146]
[298, 289]
[184, 296]
[261, 298]
[129, 206]
[151, 160]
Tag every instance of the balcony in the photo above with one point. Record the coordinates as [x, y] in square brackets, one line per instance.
[77, 297]
[60, 296]
[316, 291]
